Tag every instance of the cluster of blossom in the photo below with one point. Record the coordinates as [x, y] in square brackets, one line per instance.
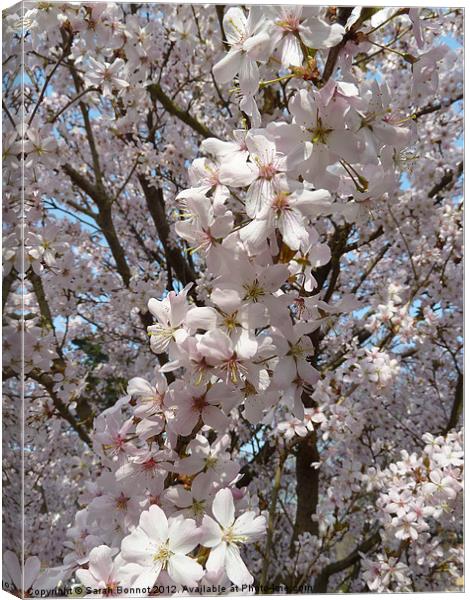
[418, 495]
[279, 328]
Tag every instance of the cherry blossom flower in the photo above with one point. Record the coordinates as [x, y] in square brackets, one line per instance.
[118, 504]
[170, 313]
[205, 175]
[226, 150]
[294, 22]
[269, 167]
[112, 437]
[191, 404]
[107, 75]
[225, 534]
[192, 503]
[80, 540]
[441, 485]
[250, 42]
[209, 458]
[104, 573]
[292, 427]
[232, 359]
[203, 229]
[146, 465]
[150, 397]
[319, 125]
[290, 205]
[160, 544]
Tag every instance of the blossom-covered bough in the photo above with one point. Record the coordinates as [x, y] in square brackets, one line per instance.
[235, 259]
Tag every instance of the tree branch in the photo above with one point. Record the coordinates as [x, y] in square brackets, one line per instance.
[103, 219]
[48, 383]
[321, 582]
[307, 486]
[157, 94]
[156, 207]
[446, 181]
[436, 106]
[65, 51]
[356, 245]
[89, 130]
[343, 16]
[271, 518]
[456, 406]
[41, 298]
[250, 470]
[54, 118]
[220, 17]
[7, 282]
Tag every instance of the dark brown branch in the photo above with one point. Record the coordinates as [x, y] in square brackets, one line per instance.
[220, 16]
[321, 582]
[41, 299]
[436, 106]
[7, 282]
[449, 178]
[355, 245]
[456, 406]
[65, 51]
[8, 114]
[338, 244]
[374, 262]
[70, 102]
[89, 130]
[86, 185]
[48, 383]
[157, 94]
[308, 477]
[59, 365]
[156, 206]
[343, 16]
[103, 219]
[307, 486]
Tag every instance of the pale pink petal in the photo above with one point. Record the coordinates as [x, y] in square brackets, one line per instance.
[215, 418]
[211, 533]
[258, 46]
[216, 561]
[291, 51]
[154, 523]
[250, 526]
[86, 577]
[226, 69]
[223, 507]
[249, 75]
[159, 309]
[32, 567]
[237, 172]
[184, 535]
[101, 562]
[184, 570]
[236, 568]
[316, 33]
[201, 317]
[148, 577]
[134, 548]
[13, 567]
[235, 24]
